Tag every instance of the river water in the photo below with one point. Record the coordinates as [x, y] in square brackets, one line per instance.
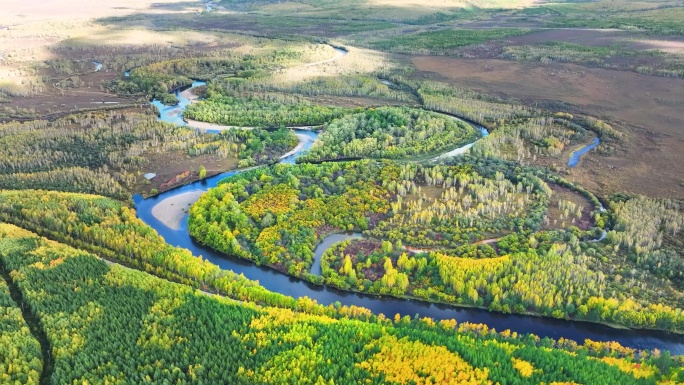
[174, 114]
[575, 156]
[294, 287]
[325, 245]
[463, 149]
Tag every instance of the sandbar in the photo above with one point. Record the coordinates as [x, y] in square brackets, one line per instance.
[172, 210]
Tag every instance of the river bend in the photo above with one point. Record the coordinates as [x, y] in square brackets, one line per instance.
[294, 287]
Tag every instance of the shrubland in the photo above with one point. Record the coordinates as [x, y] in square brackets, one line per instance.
[615, 56]
[103, 152]
[442, 42]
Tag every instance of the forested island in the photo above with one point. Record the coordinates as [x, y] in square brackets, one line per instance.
[451, 234]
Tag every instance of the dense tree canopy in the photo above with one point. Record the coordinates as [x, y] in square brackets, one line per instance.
[389, 132]
[109, 324]
[20, 356]
[466, 234]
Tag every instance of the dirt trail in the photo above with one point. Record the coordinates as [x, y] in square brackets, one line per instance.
[486, 241]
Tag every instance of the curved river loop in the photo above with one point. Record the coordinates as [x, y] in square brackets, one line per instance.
[279, 282]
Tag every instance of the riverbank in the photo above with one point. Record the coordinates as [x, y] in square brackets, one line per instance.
[204, 126]
[172, 210]
[188, 94]
[436, 302]
[576, 155]
[303, 140]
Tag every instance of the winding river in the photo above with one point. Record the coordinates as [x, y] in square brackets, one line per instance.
[282, 283]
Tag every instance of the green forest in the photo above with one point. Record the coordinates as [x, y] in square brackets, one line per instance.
[453, 234]
[108, 324]
[257, 112]
[103, 152]
[157, 79]
[389, 133]
[20, 355]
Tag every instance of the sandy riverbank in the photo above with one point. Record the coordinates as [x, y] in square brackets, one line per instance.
[204, 126]
[172, 210]
[303, 139]
[188, 94]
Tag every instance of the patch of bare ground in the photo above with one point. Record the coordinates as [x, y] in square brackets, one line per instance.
[486, 241]
[325, 230]
[14, 12]
[365, 247]
[588, 37]
[171, 211]
[555, 214]
[204, 126]
[503, 21]
[55, 102]
[172, 167]
[622, 60]
[672, 44]
[649, 158]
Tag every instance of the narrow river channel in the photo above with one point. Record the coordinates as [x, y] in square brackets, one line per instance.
[577, 154]
[282, 283]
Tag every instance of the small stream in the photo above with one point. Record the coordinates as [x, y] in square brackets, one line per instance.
[174, 114]
[575, 156]
[463, 149]
[325, 244]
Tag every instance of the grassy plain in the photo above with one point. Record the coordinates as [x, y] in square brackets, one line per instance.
[646, 108]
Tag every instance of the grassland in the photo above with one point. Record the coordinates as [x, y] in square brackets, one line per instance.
[646, 110]
[444, 41]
